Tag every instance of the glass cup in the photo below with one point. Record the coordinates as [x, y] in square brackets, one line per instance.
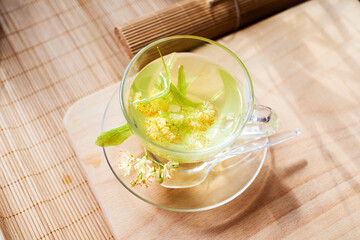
[255, 120]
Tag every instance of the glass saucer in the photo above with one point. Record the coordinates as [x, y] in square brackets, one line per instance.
[226, 181]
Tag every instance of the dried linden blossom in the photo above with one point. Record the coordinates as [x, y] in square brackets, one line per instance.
[147, 168]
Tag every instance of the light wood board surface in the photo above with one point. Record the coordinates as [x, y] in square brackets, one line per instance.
[305, 63]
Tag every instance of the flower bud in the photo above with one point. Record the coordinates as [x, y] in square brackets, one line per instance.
[160, 180]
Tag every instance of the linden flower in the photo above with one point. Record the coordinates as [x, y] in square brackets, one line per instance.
[141, 180]
[152, 129]
[209, 113]
[197, 140]
[146, 180]
[148, 169]
[168, 169]
[193, 121]
[143, 164]
[167, 130]
[133, 183]
[126, 163]
[152, 174]
[203, 117]
[138, 96]
[127, 156]
[147, 109]
[126, 167]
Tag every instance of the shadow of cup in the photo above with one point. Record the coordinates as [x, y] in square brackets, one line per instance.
[266, 188]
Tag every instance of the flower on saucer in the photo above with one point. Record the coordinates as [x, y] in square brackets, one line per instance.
[148, 169]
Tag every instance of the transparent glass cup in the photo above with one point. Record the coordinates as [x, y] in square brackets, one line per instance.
[255, 121]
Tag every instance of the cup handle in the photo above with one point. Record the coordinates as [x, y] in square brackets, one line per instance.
[263, 122]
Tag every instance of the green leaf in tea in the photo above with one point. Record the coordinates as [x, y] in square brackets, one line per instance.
[183, 83]
[181, 80]
[182, 99]
[114, 136]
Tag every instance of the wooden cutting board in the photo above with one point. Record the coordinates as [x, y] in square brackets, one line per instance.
[305, 63]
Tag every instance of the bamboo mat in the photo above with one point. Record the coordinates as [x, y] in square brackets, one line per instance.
[52, 54]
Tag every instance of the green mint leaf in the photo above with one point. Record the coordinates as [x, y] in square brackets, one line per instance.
[114, 136]
[226, 77]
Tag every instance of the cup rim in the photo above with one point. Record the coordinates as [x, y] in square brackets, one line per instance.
[225, 143]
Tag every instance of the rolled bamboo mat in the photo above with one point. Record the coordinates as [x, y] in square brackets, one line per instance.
[52, 54]
[206, 18]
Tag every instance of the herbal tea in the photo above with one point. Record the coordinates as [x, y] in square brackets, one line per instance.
[185, 109]
[185, 102]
